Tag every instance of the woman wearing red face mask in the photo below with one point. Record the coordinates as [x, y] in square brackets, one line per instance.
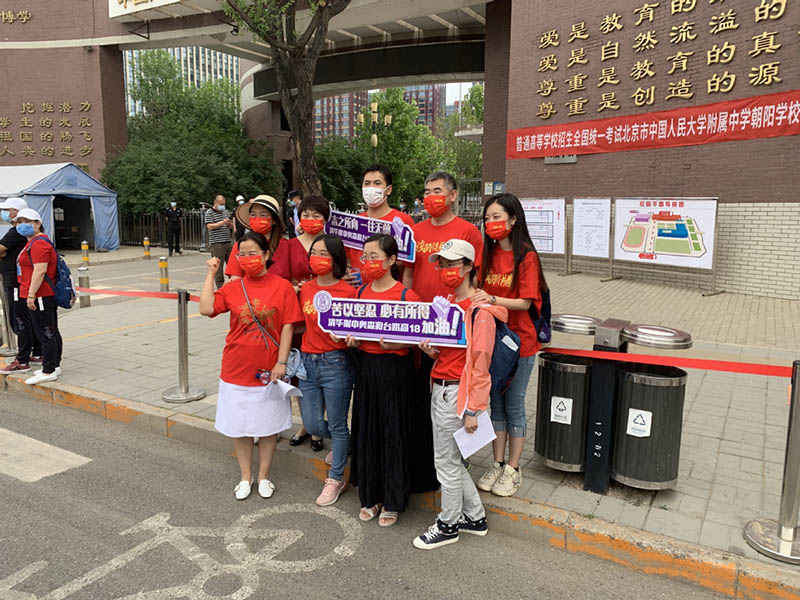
[291, 259]
[460, 384]
[291, 262]
[263, 312]
[512, 277]
[329, 371]
[383, 391]
[260, 215]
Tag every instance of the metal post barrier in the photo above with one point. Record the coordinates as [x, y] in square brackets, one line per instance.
[147, 248]
[163, 267]
[777, 539]
[84, 300]
[85, 253]
[9, 337]
[182, 392]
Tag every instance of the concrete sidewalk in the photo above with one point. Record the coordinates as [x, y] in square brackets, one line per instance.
[123, 255]
[734, 425]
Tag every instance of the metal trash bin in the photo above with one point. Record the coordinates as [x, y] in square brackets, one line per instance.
[563, 400]
[649, 413]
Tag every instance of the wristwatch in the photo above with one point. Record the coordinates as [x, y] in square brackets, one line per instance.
[494, 300]
[283, 362]
[470, 413]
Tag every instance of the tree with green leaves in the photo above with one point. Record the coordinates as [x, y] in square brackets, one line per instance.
[464, 158]
[188, 143]
[405, 146]
[295, 33]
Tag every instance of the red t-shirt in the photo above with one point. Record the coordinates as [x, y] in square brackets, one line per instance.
[354, 255]
[498, 283]
[430, 239]
[450, 362]
[275, 305]
[316, 341]
[41, 252]
[393, 293]
[232, 268]
[291, 261]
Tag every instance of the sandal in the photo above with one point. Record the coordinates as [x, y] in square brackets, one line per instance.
[369, 513]
[387, 518]
[299, 439]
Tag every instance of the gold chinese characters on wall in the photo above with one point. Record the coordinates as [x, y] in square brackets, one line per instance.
[741, 42]
[49, 129]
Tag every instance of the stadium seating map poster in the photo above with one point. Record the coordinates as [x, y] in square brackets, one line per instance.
[666, 231]
[545, 219]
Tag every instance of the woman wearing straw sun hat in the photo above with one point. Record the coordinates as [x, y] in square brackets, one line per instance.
[262, 215]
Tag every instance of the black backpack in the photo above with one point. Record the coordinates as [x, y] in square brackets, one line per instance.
[505, 356]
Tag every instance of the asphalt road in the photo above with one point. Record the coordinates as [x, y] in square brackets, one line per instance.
[135, 515]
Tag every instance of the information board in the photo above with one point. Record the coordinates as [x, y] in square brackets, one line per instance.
[545, 220]
[667, 231]
[591, 227]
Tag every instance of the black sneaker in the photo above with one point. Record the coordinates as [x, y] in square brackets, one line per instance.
[477, 527]
[438, 534]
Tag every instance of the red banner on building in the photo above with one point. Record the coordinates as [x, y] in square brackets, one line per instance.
[770, 115]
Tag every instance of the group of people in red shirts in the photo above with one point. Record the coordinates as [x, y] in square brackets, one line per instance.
[406, 401]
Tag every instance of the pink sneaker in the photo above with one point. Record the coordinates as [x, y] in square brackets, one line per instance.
[330, 492]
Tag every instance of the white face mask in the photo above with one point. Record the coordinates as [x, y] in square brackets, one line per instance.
[373, 196]
[219, 207]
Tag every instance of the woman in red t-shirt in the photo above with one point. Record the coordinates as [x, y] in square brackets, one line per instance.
[291, 262]
[382, 395]
[291, 259]
[263, 311]
[262, 214]
[329, 371]
[512, 277]
[37, 267]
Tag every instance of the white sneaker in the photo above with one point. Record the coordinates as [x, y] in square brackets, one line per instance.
[488, 479]
[266, 488]
[508, 483]
[57, 372]
[242, 490]
[41, 378]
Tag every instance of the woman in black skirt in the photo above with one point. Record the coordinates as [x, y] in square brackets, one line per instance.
[382, 395]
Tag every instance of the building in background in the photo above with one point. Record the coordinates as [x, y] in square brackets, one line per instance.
[198, 65]
[337, 115]
[431, 101]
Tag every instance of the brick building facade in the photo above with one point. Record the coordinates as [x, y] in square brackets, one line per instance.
[756, 181]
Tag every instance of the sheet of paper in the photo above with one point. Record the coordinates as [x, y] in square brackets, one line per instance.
[470, 443]
[280, 390]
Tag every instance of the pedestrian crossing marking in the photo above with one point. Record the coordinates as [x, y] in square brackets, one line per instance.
[30, 460]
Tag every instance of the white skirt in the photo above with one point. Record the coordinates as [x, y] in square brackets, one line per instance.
[244, 411]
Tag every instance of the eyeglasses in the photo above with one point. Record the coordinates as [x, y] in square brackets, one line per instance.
[364, 258]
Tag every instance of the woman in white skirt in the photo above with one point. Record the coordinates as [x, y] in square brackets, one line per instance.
[264, 309]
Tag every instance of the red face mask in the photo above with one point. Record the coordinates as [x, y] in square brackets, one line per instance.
[312, 226]
[436, 205]
[373, 270]
[497, 230]
[320, 265]
[262, 225]
[251, 265]
[451, 276]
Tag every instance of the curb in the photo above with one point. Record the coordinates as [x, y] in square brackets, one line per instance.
[729, 574]
[118, 261]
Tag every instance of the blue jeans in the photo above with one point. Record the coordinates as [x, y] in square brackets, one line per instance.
[508, 410]
[328, 387]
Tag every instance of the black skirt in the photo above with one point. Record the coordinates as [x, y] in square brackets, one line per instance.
[379, 466]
